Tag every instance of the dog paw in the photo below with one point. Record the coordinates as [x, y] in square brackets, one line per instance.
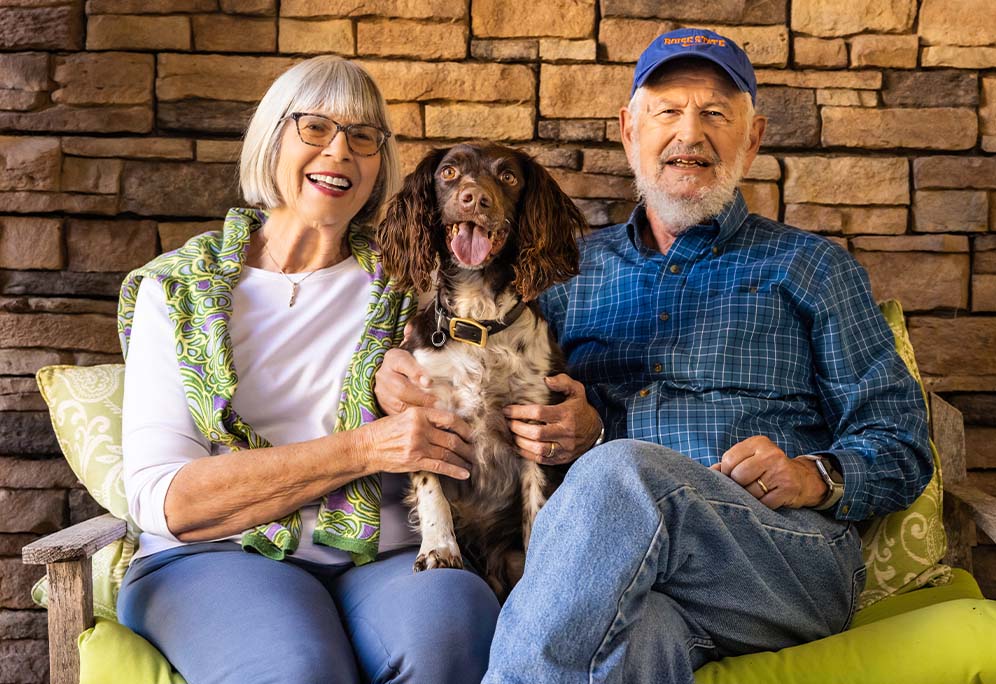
[438, 558]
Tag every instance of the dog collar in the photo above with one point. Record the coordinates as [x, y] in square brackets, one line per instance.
[468, 330]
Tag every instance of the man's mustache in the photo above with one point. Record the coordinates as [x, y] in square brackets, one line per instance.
[699, 150]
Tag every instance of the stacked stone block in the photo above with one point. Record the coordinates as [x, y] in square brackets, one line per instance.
[120, 123]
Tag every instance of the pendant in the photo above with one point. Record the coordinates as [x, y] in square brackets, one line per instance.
[293, 297]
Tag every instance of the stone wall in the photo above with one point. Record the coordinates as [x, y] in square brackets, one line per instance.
[120, 123]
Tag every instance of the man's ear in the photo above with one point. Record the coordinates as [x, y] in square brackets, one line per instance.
[626, 125]
[757, 127]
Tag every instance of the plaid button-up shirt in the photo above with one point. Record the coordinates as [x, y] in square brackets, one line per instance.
[745, 327]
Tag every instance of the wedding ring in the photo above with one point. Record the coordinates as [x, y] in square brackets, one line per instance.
[761, 485]
[553, 449]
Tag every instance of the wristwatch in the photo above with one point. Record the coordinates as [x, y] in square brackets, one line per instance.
[833, 479]
[601, 435]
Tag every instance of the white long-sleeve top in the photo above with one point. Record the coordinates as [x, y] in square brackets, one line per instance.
[290, 363]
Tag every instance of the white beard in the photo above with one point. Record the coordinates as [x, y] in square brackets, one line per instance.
[678, 213]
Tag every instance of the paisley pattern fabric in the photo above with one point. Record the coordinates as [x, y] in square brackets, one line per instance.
[902, 550]
[198, 279]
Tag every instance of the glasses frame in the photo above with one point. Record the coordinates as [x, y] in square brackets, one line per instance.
[339, 128]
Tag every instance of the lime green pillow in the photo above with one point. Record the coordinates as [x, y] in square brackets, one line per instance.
[111, 653]
[945, 642]
[961, 586]
[84, 403]
[902, 550]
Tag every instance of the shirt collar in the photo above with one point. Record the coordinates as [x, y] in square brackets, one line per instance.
[724, 225]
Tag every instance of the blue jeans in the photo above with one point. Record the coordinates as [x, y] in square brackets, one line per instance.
[645, 565]
[220, 614]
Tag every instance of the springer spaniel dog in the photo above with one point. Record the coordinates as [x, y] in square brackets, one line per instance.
[495, 230]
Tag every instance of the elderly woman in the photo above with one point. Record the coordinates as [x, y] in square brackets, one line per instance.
[275, 546]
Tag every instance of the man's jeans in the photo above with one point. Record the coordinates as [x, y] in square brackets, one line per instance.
[645, 565]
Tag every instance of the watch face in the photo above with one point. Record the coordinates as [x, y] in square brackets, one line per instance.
[831, 478]
[821, 467]
[833, 472]
[828, 472]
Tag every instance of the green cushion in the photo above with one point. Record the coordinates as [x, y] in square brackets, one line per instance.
[961, 586]
[84, 403]
[902, 550]
[113, 654]
[945, 642]
[950, 628]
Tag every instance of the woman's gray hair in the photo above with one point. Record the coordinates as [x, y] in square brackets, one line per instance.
[329, 84]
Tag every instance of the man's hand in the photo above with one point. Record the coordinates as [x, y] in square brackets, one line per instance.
[773, 478]
[402, 382]
[551, 435]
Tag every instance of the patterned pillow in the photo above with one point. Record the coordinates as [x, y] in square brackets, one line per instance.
[902, 550]
[85, 406]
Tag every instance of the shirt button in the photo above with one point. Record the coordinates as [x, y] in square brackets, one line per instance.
[664, 316]
[715, 250]
[658, 368]
[675, 268]
[844, 509]
[644, 392]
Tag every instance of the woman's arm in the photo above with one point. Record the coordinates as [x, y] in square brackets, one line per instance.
[229, 493]
[177, 490]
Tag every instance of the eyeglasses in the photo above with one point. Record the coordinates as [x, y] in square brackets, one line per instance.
[320, 131]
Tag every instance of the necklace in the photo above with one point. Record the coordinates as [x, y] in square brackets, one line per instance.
[295, 284]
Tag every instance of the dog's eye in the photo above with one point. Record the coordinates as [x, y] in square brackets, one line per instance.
[448, 173]
[508, 177]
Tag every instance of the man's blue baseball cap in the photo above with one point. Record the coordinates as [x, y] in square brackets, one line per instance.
[698, 44]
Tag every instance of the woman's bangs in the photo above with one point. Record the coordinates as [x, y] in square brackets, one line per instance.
[342, 94]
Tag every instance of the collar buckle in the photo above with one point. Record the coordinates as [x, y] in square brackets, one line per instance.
[469, 331]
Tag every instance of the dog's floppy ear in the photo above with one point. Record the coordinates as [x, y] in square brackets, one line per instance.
[412, 220]
[549, 226]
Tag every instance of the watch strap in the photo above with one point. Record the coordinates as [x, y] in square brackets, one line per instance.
[601, 435]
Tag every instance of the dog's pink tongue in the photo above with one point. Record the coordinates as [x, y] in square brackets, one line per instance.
[471, 244]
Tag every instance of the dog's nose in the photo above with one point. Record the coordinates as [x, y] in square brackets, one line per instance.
[472, 197]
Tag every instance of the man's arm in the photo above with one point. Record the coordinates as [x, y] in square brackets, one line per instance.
[871, 403]
[552, 435]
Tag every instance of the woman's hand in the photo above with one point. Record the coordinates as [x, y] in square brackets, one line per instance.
[551, 435]
[402, 382]
[418, 439]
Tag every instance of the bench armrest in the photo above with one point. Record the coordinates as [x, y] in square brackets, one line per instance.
[965, 507]
[981, 505]
[74, 543]
[66, 555]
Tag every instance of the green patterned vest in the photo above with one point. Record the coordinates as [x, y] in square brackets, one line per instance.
[198, 279]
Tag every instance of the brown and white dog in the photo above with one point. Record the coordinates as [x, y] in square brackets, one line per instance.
[496, 231]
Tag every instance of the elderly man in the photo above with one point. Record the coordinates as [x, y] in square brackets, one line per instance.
[753, 408]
